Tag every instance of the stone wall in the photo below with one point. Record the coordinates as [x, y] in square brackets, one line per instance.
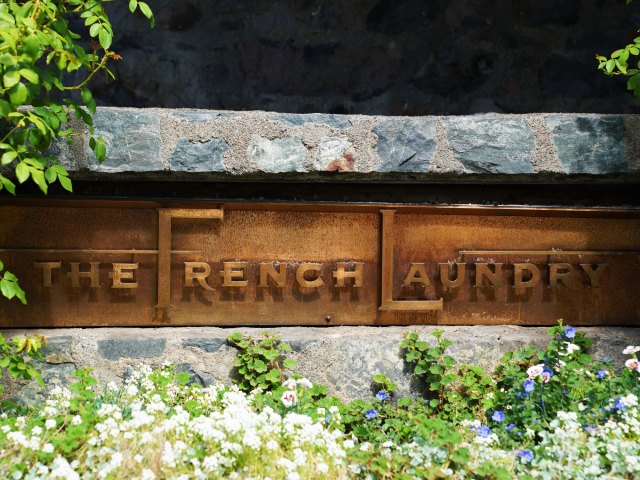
[342, 358]
[409, 57]
[201, 145]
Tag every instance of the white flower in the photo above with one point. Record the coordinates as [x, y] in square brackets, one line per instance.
[560, 364]
[305, 383]
[36, 430]
[47, 448]
[76, 420]
[290, 384]
[632, 364]
[147, 475]
[49, 424]
[322, 467]
[138, 458]
[630, 350]
[535, 370]
[289, 398]
[571, 347]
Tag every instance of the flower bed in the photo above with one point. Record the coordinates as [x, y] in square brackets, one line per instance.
[554, 413]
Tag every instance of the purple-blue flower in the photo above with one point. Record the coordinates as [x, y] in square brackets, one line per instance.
[382, 395]
[529, 385]
[525, 455]
[619, 404]
[570, 332]
[371, 414]
[498, 416]
[601, 374]
[510, 427]
[483, 431]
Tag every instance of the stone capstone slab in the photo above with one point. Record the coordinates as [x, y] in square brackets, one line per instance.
[115, 348]
[491, 145]
[406, 144]
[202, 145]
[589, 144]
[342, 358]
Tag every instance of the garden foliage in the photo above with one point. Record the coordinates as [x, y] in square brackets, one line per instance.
[551, 413]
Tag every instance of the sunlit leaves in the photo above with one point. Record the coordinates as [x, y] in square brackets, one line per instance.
[39, 49]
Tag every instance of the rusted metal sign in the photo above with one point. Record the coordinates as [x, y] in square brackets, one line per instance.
[107, 264]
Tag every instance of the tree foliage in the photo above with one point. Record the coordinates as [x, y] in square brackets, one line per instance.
[624, 61]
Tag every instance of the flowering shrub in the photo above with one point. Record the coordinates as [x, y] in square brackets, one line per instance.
[554, 413]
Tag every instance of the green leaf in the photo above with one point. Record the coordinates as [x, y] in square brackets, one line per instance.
[9, 185]
[146, 11]
[66, 183]
[5, 108]
[183, 378]
[7, 288]
[38, 178]
[30, 75]
[105, 38]
[18, 94]
[95, 29]
[22, 172]
[259, 366]
[50, 175]
[10, 78]
[8, 157]
[273, 376]
[133, 4]
[288, 363]
[100, 149]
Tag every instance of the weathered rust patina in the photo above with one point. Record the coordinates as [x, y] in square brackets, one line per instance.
[160, 263]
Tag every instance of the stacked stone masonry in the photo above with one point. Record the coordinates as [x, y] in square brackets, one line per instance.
[157, 144]
[342, 358]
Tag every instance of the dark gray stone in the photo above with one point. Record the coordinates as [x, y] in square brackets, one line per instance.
[58, 350]
[405, 144]
[31, 393]
[279, 155]
[116, 348]
[195, 376]
[491, 145]
[194, 156]
[209, 345]
[589, 144]
[133, 141]
[298, 120]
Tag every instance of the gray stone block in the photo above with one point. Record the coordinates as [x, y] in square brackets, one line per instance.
[133, 141]
[58, 350]
[195, 376]
[209, 345]
[116, 348]
[496, 145]
[280, 155]
[298, 120]
[589, 144]
[195, 156]
[405, 144]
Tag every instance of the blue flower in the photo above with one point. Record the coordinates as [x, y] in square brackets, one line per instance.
[619, 404]
[382, 395]
[483, 431]
[529, 386]
[498, 416]
[371, 414]
[510, 427]
[566, 392]
[601, 374]
[570, 332]
[525, 455]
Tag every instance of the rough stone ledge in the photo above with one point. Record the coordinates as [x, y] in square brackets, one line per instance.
[203, 145]
[342, 358]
